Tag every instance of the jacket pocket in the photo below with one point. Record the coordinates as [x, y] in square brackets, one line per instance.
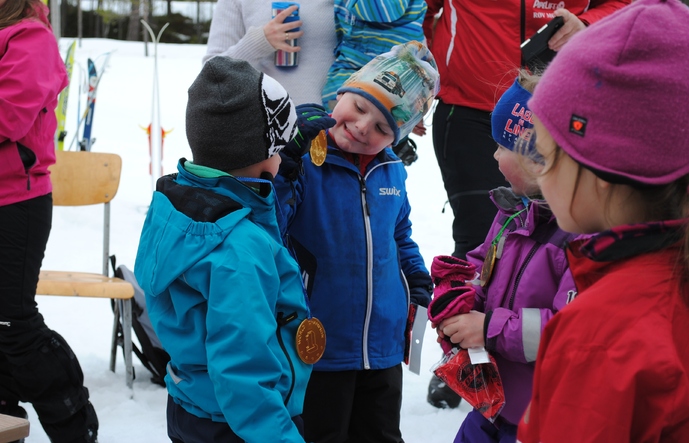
[27, 156]
[28, 159]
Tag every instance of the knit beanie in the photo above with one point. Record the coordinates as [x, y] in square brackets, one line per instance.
[616, 97]
[511, 119]
[236, 115]
[401, 83]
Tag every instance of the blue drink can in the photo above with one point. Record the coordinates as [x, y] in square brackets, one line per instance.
[283, 58]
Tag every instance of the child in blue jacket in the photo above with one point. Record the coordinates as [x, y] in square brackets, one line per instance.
[224, 295]
[348, 224]
[364, 29]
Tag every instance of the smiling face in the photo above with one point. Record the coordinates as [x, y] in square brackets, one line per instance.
[361, 127]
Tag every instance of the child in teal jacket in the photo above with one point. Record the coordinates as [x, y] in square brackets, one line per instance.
[224, 295]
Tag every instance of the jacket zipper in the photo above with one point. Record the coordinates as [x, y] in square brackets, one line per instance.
[369, 269]
[282, 321]
[521, 272]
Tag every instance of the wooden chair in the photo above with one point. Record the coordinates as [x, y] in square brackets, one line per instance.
[13, 428]
[88, 178]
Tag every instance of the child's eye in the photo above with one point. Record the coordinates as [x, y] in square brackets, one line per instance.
[381, 130]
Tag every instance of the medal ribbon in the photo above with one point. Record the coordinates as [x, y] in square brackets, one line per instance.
[504, 226]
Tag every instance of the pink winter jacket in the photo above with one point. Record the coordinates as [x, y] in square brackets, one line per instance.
[32, 74]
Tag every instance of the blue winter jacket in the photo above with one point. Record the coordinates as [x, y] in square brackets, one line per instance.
[352, 238]
[225, 298]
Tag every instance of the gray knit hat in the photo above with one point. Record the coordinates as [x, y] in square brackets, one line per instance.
[237, 116]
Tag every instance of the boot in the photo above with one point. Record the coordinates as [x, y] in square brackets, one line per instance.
[441, 396]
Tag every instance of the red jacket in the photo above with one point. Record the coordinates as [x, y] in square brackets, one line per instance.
[476, 42]
[32, 74]
[613, 365]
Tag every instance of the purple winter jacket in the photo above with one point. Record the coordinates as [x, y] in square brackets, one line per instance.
[530, 282]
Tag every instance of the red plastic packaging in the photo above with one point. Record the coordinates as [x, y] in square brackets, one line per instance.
[480, 385]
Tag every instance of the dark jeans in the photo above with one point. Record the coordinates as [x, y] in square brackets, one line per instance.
[464, 149]
[36, 364]
[183, 427]
[354, 406]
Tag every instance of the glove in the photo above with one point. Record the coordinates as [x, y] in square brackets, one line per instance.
[448, 304]
[406, 151]
[311, 119]
[451, 303]
[450, 272]
[420, 288]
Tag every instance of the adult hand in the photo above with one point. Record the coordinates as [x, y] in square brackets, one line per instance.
[571, 26]
[419, 129]
[466, 330]
[278, 33]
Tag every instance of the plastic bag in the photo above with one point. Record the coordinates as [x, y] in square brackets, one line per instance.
[480, 385]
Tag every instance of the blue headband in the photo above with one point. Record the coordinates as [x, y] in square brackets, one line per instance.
[511, 117]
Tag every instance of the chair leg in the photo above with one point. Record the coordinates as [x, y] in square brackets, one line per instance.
[127, 336]
[115, 324]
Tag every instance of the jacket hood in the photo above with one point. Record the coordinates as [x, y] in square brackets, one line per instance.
[188, 218]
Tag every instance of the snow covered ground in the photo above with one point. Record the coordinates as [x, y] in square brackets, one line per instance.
[123, 106]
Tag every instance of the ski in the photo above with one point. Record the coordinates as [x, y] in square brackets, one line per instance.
[155, 131]
[61, 110]
[86, 142]
[87, 118]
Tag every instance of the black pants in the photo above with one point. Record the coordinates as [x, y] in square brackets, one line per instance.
[36, 364]
[354, 406]
[183, 427]
[464, 149]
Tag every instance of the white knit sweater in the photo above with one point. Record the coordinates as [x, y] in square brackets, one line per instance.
[237, 31]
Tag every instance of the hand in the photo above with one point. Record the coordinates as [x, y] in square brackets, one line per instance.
[419, 129]
[278, 32]
[466, 330]
[311, 119]
[571, 26]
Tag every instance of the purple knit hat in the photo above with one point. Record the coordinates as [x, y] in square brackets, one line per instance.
[616, 97]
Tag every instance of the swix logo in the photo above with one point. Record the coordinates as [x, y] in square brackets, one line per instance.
[5, 323]
[390, 191]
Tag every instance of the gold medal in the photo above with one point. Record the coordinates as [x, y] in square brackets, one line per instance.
[310, 340]
[488, 264]
[319, 148]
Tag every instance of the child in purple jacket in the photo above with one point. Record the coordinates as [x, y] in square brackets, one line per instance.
[527, 282]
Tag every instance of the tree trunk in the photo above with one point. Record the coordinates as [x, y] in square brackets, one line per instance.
[55, 18]
[134, 28]
[169, 8]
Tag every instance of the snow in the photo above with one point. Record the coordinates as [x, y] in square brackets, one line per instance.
[123, 106]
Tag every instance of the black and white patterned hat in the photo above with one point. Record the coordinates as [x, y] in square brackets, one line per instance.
[236, 115]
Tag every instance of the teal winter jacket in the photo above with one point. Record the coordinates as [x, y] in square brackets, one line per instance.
[225, 298]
